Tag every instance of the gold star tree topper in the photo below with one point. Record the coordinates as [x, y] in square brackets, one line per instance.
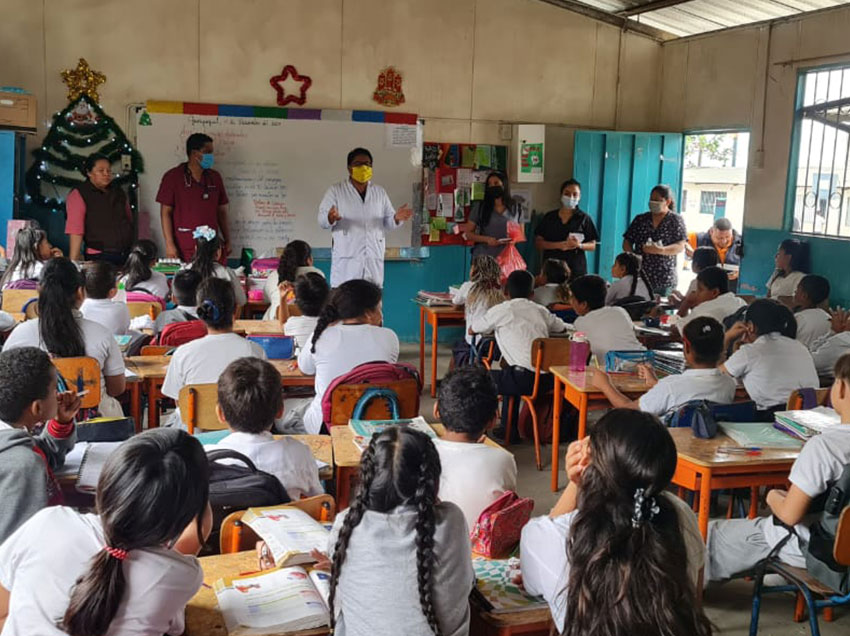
[83, 80]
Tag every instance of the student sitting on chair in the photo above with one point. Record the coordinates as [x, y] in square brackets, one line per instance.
[98, 305]
[553, 285]
[250, 398]
[474, 474]
[517, 323]
[827, 350]
[712, 298]
[702, 380]
[813, 321]
[140, 275]
[736, 545]
[631, 281]
[28, 398]
[482, 291]
[296, 260]
[184, 291]
[208, 253]
[607, 328]
[702, 258]
[32, 251]
[311, 294]
[202, 361]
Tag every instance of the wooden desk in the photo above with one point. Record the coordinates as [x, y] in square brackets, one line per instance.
[254, 307]
[202, 615]
[435, 316]
[536, 622]
[252, 327]
[702, 469]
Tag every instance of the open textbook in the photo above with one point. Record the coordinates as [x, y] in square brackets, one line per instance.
[291, 534]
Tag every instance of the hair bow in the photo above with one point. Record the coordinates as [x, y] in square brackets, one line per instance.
[645, 508]
[203, 231]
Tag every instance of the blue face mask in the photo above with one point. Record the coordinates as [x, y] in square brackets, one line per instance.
[207, 160]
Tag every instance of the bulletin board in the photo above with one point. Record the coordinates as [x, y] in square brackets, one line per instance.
[453, 178]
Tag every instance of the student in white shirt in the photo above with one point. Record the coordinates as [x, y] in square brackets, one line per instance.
[553, 287]
[61, 330]
[607, 328]
[32, 250]
[791, 260]
[631, 281]
[250, 398]
[517, 323]
[712, 298]
[348, 334]
[98, 305]
[130, 569]
[482, 291]
[736, 545]
[473, 474]
[702, 380]
[771, 363]
[208, 253]
[202, 361]
[623, 532]
[827, 350]
[311, 294]
[139, 273]
[813, 322]
[184, 291]
[296, 260]
[702, 258]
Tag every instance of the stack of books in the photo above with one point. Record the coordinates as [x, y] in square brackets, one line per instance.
[806, 424]
[669, 362]
[434, 299]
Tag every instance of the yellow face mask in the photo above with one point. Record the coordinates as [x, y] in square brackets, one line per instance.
[361, 174]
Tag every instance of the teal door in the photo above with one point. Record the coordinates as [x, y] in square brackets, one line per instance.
[617, 171]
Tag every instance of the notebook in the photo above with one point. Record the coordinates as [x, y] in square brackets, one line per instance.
[805, 424]
[760, 435]
[495, 589]
[91, 464]
[367, 428]
[291, 534]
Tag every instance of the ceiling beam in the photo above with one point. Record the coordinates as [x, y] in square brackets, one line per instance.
[610, 18]
[649, 6]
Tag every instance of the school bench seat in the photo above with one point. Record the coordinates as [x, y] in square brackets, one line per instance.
[81, 374]
[197, 403]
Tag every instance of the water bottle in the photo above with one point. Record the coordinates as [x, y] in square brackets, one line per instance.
[579, 351]
[121, 296]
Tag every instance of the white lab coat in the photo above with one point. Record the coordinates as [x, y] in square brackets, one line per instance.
[358, 237]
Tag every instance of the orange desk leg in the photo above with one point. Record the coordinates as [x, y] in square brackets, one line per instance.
[421, 341]
[556, 429]
[754, 501]
[582, 415]
[704, 501]
[434, 328]
[136, 405]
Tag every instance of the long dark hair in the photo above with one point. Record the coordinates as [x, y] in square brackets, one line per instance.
[57, 299]
[350, 300]
[400, 466]
[150, 490]
[799, 253]
[489, 202]
[204, 260]
[138, 267]
[769, 316]
[216, 303]
[295, 255]
[627, 570]
[632, 264]
[25, 255]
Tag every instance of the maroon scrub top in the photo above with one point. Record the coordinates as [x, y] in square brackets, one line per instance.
[195, 203]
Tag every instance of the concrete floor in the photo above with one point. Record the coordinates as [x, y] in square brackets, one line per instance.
[727, 606]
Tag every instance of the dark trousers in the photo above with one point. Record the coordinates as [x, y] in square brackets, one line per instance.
[118, 259]
[513, 382]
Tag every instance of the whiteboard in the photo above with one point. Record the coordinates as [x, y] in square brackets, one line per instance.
[276, 170]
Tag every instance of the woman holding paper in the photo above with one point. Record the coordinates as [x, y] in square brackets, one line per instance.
[487, 227]
[567, 233]
[358, 213]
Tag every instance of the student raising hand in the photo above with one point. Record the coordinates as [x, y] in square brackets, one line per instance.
[840, 319]
[67, 405]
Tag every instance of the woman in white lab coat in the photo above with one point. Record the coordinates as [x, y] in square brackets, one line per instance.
[358, 213]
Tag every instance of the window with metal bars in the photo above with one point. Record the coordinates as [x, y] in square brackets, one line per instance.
[819, 186]
[711, 202]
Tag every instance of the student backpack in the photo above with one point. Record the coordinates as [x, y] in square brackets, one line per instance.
[371, 373]
[820, 561]
[178, 333]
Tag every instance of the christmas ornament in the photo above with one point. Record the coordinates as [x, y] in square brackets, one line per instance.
[145, 119]
[277, 83]
[83, 81]
[388, 92]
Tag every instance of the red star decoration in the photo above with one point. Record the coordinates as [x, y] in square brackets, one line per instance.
[277, 83]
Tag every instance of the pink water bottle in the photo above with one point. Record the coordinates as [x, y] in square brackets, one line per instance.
[579, 351]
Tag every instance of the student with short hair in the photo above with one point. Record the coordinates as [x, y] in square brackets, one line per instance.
[813, 321]
[28, 399]
[703, 257]
[712, 298]
[184, 292]
[296, 260]
[130, 568]
[98, 305]
[554, 278]
[474, 474]
[631, 281]
[702, 380]
[206, 261]
[139, 274]
[607, 328]
[736, 545]
[311, 294]
[250, 398]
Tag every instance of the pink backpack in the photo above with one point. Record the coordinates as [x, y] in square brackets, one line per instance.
[370, 373]
[498, 529]
[144, 297]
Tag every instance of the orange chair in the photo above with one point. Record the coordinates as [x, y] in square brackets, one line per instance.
[144, 309]
[14, 300]
[197, 404]
[345, 396]
[236, 537]
[155, 350]
[81, 374]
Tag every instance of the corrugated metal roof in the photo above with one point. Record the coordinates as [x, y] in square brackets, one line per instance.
[691, 17]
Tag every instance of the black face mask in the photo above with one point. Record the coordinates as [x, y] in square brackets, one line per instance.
[494, 192]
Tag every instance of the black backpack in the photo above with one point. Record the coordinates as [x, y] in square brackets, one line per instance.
[820, 562]
[238, 486]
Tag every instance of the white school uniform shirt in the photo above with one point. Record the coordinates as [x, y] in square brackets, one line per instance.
[157, 284]
[460, 294]
[300, 328]
[812, 325]
[225, 273]
[474, 475]
[517, 323]
[718, 308]
[694, 384]
[286, 458]
[546, 294]
[358, 236]
[271, 294]
[772, 367]
[621, 287]
[99, 344]
[827, 350]
[783, 285]
[112, 315]
[339, 349]
[546, 570]
[33, 272]
[158, 581]
[608, 329]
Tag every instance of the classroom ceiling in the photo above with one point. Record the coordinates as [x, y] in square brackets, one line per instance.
[691, 17]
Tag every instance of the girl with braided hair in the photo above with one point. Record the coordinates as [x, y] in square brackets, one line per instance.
[618, 555]
[400, 559]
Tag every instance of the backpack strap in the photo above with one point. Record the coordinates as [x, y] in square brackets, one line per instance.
[226, 453]
[376, 393]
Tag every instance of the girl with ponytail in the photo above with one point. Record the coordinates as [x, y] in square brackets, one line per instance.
[125, 569]
[32, 250]
[139, 273]
[296, 260]
[618, 555]
[61, 330]
[348, 333]
[208, 254]
[632, 281]
[770, 361]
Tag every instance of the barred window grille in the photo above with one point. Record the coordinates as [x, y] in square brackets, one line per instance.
[710, 202]
[821, 191]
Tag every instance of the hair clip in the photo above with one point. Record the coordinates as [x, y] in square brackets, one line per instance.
[645, 508]
[706, 328]
[205, 232]
[216, 314]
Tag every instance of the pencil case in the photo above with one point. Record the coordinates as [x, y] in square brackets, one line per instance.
[627, 361]
[277, 347]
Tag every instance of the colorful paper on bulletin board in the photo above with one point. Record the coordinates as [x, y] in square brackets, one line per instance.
[464, 177]
[434, 235]
[439, 223]
[482, 156]
[531, 158]
[446, 205]
[451, 155]
[477, 193]
[467, 156]
[501, 159]
[431, 156]
[462, 197]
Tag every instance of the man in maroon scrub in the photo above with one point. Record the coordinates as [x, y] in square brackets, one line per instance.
[190, 195]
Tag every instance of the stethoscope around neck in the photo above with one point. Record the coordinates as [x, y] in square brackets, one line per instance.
[188, 180]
